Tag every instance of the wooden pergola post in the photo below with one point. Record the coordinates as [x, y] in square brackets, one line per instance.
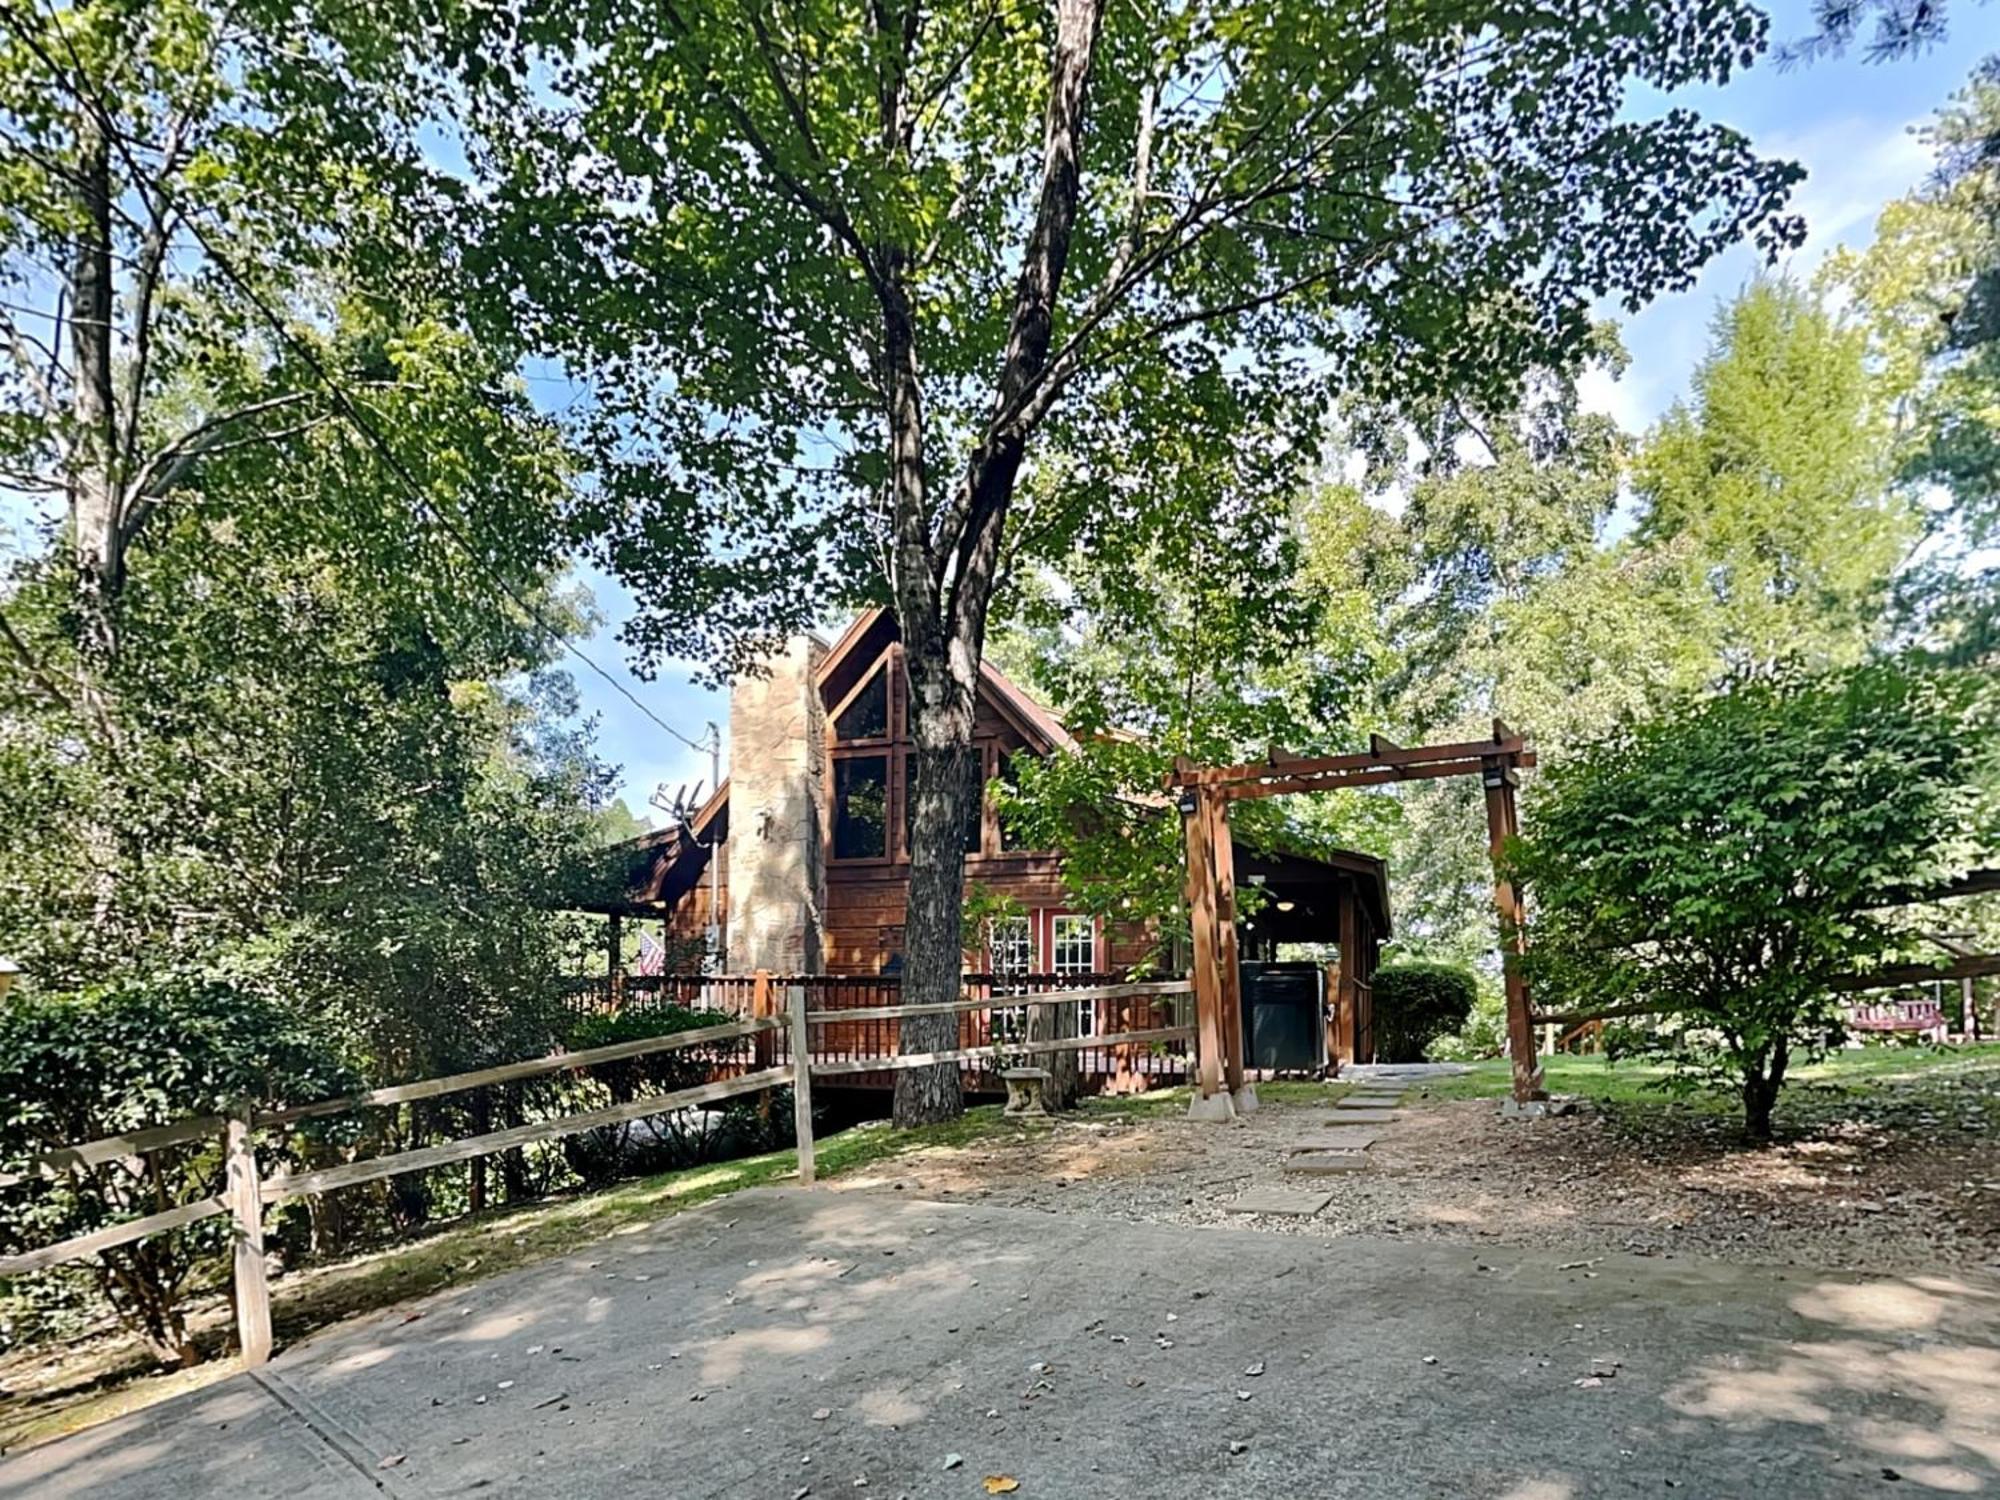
[1210, 1102]
[1503, 822]
[1347, 994]
[1222, 849]
[1204, 795]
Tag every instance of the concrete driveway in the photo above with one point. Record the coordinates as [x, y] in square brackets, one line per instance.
[792, 1342]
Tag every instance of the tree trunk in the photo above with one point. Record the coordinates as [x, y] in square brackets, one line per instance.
[932, 937]
[945, 565]
[1763, 1077]
[1055, 1023]
[93, 497]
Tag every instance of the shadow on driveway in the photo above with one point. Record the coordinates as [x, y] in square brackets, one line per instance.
[787, 1342]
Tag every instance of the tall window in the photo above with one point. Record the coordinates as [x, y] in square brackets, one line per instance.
[1009, 839]
[866, 716]
[861, 807]
[1012, 948]
[1073, 950]
[1011, 951]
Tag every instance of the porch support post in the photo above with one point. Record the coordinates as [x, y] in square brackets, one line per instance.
[1210, 1102]
[1347, 994]
[1503, 823]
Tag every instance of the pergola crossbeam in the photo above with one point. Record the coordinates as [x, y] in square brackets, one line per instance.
[1204, 795]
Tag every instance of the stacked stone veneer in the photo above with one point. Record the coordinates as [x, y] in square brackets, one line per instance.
[777, 802]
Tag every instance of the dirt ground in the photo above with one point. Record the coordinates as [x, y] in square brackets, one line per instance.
[1848, 1192]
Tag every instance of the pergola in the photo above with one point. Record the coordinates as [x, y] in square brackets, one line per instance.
[1204, 795]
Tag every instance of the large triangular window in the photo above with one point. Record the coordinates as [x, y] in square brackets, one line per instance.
[866, 714]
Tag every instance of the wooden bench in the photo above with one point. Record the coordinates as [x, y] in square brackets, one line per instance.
[1923, 1017]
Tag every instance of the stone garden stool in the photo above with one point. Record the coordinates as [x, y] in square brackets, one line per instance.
[1024, 1090]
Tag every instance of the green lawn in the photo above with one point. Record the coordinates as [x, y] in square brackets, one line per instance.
[1845, 1074]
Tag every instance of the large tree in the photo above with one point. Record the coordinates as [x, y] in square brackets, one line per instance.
[1928, 294]
[838, 275]
[181, 174]
[1767, 495]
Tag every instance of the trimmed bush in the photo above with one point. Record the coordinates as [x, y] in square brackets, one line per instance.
[1415, 1004]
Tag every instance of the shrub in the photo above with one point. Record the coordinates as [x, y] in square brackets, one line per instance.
[116, 1058]
[1722, 866]
[660, 1142]
[1417, 1003]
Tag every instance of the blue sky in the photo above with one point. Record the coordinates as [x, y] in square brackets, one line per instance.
[1850, 123]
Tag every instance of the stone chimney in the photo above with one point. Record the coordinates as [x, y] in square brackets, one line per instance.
[777, 802]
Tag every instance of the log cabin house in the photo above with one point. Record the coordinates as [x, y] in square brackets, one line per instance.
[810, 836]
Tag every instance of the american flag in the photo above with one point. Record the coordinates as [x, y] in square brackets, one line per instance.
[652, 955]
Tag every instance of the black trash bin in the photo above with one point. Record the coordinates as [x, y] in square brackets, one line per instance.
[1283, 1026]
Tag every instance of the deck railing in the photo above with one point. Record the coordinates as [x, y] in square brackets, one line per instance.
[858, 1036]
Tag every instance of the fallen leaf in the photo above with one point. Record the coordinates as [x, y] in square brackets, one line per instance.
[1001, 1484]
[822, 1413]
[1253, 1370]
[392, 1460]
[953, 1460]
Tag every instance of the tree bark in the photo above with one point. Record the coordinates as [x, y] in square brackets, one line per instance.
[1763, 1077]
[932, 939]
[94, 494]
[945, 568]
[1055, 1023]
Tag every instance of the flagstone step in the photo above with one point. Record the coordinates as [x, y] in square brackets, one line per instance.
[1325, 1163]
[1292, 1203]
[1343, 1136]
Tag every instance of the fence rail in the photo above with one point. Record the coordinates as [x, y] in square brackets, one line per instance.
[870, 1045]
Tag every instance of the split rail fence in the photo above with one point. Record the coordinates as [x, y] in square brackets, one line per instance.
[246, 1193]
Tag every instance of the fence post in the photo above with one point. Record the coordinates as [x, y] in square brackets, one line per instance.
[802, 1099]
[246, 1212]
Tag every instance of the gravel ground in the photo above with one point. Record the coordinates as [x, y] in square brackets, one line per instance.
[1882, 1188]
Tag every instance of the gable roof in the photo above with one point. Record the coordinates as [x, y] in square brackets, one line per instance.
[857, 647]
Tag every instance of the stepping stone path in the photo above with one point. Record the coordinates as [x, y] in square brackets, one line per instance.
[1292, 1203]
[1310, 1163]
[1342, 1136]
[1349, 1129]
[1338, 1143]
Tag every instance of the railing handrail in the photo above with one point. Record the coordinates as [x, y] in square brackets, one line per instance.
[1001, 1002]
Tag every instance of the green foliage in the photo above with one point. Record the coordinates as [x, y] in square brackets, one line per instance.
[1724, 863]
[1767, 496]
[682, 1138]
[1417, 1003]
[1928, 293]
[985, 908]
[769, 229]
[147, 1048]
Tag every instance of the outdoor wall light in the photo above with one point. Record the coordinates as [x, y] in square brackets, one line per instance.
[1286, 905]
[1188, 803]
